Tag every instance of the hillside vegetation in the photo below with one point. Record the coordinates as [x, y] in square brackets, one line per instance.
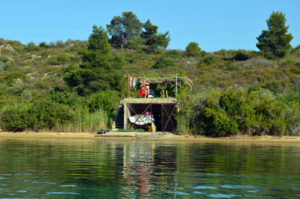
[60, 86]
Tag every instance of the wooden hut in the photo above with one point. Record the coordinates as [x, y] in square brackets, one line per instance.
[135, 112]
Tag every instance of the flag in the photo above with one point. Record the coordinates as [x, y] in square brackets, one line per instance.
[130, 81]
[133, 82]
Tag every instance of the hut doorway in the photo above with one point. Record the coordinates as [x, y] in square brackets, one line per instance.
[163, 114]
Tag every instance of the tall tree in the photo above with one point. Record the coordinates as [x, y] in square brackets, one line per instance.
[275, 41]
[152, 38]
[124, 30]
[99, 70]
[149, 30]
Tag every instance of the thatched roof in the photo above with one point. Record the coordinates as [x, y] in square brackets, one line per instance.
[167, 80]
[169, 100]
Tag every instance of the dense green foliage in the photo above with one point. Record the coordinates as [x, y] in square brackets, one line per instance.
[193, 49]
[124, 30]
[127, 31]
[152, 39]
[77, 85]
[162, 63]
[275, 41]
[254, 112]
[39, 115]
[99, 70]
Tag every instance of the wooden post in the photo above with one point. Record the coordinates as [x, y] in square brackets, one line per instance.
[176, 86]
[125, 115]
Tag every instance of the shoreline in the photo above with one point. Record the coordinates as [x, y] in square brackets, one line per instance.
[172, 138]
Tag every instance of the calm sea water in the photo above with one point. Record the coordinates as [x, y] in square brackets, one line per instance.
[110, 169]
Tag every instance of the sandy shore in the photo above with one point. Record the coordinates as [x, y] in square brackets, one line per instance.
[182, 138]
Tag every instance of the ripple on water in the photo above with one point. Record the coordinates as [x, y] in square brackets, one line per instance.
[198, 192]
[61, 193]
[21, 191]
[252, 191]
[219, 195]
[181, 193]
[49, 182]
[68, 185]
[204, 187]
[24, 174]
[178, 193]
[213, 174]
[237, 187]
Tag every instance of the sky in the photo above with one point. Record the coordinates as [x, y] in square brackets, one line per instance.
[213, 24]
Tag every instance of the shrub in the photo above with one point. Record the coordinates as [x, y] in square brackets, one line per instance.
[58, 60]
[220, 123]
[63, 59]
[43, 45]
[16, 117]
[162, 63]
[35, 116]
[253, 112]
[209, 60]
[174, 53]
[66, 98]
[31, 47]
[193, 50]
[26, 95]
[103, 100]
[241, 56]
[49, 114]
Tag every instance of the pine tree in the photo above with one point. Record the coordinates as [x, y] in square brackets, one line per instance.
[124, 30]
[275, 42]
[99, 70]
[152, 38]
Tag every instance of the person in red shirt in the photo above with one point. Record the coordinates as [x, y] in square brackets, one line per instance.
[142, 89]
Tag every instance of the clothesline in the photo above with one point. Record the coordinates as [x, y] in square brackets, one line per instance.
[160, 80]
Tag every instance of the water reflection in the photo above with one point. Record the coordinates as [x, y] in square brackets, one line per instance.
[110, 169]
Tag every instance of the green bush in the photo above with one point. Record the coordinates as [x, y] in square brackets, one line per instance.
[163, 63]
[35, 116]
[58, 60]
[66, 98]
[220, 123]
[253, 112]
[241, 56]
[193, 50]
[16, 117]
[103, 100]
[49, 114]
[209, 60]
[43, 45]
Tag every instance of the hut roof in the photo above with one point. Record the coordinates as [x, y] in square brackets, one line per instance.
[167, 80]
[169, 100]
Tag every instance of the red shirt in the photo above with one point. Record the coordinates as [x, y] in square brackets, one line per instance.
[142, 92]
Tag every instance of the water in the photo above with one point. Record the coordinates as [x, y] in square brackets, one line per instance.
[111, 169]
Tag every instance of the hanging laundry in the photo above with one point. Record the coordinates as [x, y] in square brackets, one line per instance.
[134, 82]
[130, 81]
